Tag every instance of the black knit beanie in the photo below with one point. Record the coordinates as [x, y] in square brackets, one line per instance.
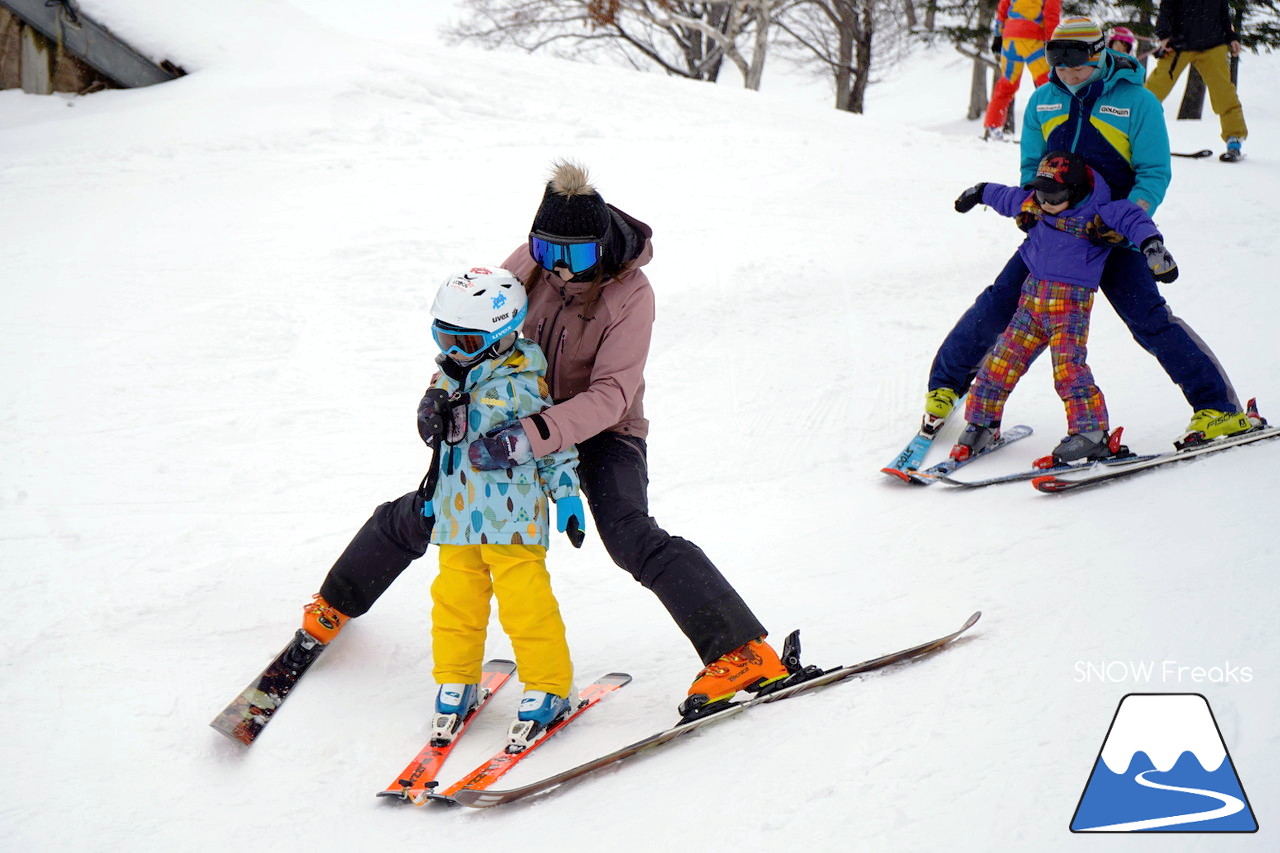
[571, 207]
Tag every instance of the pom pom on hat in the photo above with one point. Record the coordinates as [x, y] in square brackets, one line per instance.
[571, 207]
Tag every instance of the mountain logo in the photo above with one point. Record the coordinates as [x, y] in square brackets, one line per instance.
[1164, 767]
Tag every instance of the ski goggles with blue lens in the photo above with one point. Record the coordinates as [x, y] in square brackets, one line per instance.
[468, 343]
[577, 254]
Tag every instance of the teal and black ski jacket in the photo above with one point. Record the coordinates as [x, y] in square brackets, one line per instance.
[1113, 122]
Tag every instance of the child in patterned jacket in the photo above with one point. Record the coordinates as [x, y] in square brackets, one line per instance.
[492, 527]
[1072, 224]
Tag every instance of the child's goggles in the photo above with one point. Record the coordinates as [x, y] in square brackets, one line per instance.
[577, 254]
[1070, 54]
[1055, 196]
[468, 343]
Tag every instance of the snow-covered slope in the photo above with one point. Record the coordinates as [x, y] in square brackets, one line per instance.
[215, 301]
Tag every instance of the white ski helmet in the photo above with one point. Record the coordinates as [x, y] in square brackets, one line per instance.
[475, 309]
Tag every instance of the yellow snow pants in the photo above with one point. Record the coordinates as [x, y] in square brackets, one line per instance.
[470, 575]
[1214, 68]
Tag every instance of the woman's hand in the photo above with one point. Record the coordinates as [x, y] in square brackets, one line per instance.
[505, 446]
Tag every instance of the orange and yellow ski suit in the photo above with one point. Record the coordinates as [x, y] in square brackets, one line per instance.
[1025, 26]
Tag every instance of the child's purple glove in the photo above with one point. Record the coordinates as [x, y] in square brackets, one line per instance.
[505, 446]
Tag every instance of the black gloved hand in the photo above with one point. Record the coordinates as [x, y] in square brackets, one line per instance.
[432, 412]
[1162, 264]
[996, 44]
[970, 198]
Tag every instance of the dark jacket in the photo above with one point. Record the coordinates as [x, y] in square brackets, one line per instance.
[1195, 24]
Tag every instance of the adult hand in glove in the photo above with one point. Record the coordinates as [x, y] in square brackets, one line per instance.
[1029, 215]
[970, 198]
[1102, 233]
[1162, 264]
[996, 44]
[501, 447]
[432, 412]
[570, 519]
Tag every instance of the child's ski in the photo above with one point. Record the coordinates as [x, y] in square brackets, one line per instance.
[492, 770]
[1194, 155]
[417, 780]
[948, 466]
[1032, 473]
[1053, 484]
[244, 719]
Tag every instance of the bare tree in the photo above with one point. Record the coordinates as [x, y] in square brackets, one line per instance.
[838, 36]
[682, 38]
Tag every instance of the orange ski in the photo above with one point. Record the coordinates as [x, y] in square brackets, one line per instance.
[493, 769]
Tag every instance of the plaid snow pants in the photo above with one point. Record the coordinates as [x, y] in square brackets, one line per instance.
[1051, 314]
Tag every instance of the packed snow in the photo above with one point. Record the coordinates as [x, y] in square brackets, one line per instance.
[215, 297]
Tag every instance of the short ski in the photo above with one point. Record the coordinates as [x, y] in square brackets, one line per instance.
[1032, 473]
[492, 770]
[807, 679]
[1193, 155]
[912, 456]
[246, 716]
[948, 466]
[417, 780]
[1055, 484]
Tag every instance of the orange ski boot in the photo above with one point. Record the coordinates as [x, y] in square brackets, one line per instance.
[749, 667]
[322, 620]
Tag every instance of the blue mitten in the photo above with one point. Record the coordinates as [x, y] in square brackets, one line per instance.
[570, 519]
[501, 447]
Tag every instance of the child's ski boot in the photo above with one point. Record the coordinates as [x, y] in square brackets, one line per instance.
[453, 703]
[975, 439]
[539, 711]
[1088, 446]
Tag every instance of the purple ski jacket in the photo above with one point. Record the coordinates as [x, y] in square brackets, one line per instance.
[1059, 248]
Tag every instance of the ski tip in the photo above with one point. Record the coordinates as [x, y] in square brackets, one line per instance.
[897, 474]
[973, 620]
[1049, 484]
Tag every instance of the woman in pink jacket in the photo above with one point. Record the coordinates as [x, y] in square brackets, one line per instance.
[591, 310]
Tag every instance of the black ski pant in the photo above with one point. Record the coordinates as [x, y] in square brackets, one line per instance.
[613, 470]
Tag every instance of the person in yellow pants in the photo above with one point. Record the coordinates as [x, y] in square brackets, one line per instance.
[492, 526]
[1199, 33]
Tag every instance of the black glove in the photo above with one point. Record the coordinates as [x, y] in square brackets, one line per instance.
[970, 198]
[1162, 264]
[996, 44]
[432, 412]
